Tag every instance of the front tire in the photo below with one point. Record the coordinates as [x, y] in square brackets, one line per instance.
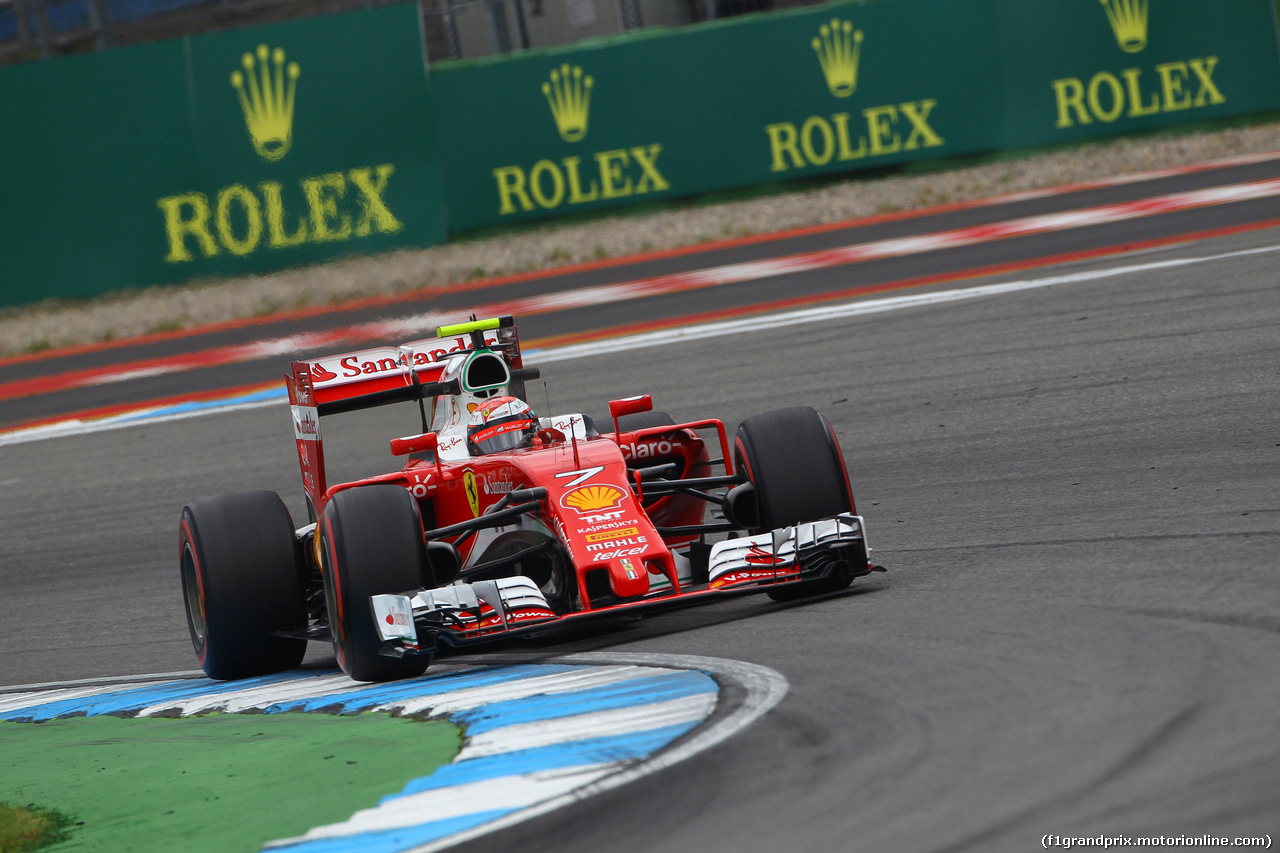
[242, 582]
[792, 459]
[370, 544]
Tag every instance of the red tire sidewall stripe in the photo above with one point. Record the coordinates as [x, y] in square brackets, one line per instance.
[341, 634]
[844, 471]
[190, 541]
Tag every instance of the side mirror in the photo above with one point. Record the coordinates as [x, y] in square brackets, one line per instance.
[414, 444]
[630, 406]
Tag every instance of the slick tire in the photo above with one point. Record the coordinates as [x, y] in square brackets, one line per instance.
[794, 462]
[370, 544]
[242, 581]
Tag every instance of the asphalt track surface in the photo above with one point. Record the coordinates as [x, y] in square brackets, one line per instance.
[940, 264]
[1076, 490]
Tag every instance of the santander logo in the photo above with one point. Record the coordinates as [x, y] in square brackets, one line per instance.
[320, 374]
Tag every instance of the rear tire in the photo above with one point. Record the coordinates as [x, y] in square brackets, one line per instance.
[242, 581]
[370, 544]
[792, 458]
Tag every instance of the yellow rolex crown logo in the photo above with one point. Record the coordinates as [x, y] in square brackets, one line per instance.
[838, 47]
[569, 94]
[1129, 22]
[267, 100]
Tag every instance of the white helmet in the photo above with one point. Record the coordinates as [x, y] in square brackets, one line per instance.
[500, 423]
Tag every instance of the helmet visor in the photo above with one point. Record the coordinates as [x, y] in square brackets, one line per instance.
[505, 436]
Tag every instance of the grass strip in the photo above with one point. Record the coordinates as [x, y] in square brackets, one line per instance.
[220, 782]
[26, 828]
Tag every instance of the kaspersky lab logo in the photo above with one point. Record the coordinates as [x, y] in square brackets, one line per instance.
[1129, 23]
[569, 94]
[839, 46]
[268, 102]
[336, 207]
[578, 178]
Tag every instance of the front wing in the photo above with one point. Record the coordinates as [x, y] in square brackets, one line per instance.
[465, 614]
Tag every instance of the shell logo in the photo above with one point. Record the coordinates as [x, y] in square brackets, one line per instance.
[591, 499]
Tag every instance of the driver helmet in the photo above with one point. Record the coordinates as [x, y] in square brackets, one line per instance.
[500, 423]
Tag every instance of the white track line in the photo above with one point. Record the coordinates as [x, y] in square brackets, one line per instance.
[698, 332]
[411, 326]
[765, 688]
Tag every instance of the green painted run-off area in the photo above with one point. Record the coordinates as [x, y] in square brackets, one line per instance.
[212, 783]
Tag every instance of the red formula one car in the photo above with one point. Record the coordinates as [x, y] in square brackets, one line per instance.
[501, 523]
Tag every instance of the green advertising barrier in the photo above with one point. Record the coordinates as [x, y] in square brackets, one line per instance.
[249, 151]
[834, 89]
[225, 154]
[1076, 69]
[714, 107]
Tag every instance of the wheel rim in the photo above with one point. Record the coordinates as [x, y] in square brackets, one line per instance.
[195, 602]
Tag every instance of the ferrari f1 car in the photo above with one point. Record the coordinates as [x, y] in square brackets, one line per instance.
[501, 523]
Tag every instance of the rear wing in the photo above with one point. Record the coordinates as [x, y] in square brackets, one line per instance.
[379, 376]
[368, 372]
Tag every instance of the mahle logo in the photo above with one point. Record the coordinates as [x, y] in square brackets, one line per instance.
[569, 94]
[548, 184]
[841, 137]
[1137, 92]
[839, 47]
[1129, 23]
[268, 103]
[240, 219]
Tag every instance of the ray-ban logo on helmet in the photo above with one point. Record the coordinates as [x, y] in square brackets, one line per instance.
[1129, 23]
[839, 47]
[266, 98]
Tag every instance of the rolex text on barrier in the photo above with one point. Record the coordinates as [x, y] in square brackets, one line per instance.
[845, 87]
[1101, 67]
[681, 113]
[230, 153]
[251, 150]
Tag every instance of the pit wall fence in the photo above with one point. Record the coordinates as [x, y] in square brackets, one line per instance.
[249, 151]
